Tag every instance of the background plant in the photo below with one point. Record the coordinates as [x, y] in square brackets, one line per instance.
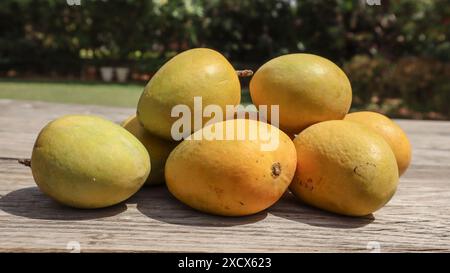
[396, 54]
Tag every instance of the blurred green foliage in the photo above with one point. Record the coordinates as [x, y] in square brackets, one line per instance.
[399, 49]
[415, 87]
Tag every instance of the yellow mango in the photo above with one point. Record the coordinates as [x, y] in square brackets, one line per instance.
[344, 167]
[88, 162]
[198, 72]
[390, 131]
[307, 88]
[235, 176]
[158, 149]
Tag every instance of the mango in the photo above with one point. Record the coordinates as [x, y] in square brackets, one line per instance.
[390, 131]
[198, 72]
[158, 149]
[308, 89]
[235, 176]
[88, 162]
[344, 167]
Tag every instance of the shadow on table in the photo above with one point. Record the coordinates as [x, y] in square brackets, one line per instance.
[292, 209]
[32, 203]
[157, 203]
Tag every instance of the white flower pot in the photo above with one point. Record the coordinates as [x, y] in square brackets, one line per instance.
[122, 73]
[107, 73]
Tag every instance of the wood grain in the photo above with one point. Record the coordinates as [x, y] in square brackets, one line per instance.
[416, 219]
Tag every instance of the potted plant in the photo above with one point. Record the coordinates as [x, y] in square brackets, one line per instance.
[109, 59]
[124, 62]
[107, 73]
[122, 73]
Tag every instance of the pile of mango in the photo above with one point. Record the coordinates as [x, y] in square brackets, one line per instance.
[344, 163]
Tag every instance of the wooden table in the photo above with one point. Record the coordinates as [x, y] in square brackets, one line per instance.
[416, 219]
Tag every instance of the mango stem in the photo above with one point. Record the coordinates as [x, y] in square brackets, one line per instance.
[25, 162]
[244, 73]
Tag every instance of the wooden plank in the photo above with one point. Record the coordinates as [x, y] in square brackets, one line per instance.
[416, 219]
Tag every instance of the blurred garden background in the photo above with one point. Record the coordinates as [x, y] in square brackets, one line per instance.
[103, 52]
